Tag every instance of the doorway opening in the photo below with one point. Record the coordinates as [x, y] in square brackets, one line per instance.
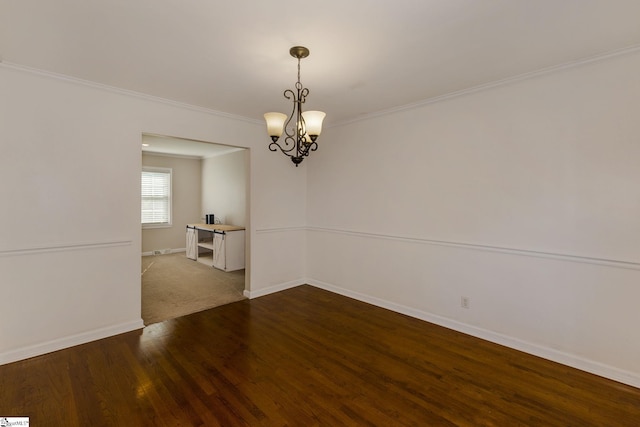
[206, 181]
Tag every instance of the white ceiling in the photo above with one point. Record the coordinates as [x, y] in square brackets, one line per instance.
[366, 56]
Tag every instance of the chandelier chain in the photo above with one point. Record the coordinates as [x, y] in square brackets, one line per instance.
[298, 84]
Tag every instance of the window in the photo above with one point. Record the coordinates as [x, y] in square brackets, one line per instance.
[156, 197]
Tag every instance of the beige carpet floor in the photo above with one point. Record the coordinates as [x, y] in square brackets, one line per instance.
[174, 286]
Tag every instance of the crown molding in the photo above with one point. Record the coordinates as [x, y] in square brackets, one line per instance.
[489, 85]
[126, 92]
[177, 156]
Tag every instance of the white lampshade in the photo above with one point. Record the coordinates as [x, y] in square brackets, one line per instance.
[313, 122]
[275, 123]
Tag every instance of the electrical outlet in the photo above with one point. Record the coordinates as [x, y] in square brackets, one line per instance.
[465, 302]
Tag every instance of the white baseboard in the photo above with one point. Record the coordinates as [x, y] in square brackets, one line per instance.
[273, 289]
[567, 359]
[70, 341]
[171, 251]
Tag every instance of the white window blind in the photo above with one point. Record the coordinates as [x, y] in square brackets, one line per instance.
[156, 196]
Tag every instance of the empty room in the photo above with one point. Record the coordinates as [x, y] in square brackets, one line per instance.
[440, 212]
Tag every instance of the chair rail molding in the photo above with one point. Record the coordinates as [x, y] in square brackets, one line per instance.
[482, 247]
[63, 247]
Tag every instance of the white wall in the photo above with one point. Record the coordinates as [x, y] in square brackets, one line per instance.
[70, 238]
[523, 197]
[186, 181]
[224, 187]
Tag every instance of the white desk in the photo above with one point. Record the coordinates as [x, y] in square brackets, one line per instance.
[216, 245]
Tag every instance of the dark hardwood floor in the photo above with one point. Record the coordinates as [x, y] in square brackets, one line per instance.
[306, 357]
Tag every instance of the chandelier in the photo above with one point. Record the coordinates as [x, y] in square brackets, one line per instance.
[301, 128]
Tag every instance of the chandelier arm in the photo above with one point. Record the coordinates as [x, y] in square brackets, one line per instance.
[289, 94]
[287, 146]
[295, 131]
[274, 146]
[288, 143]
[308, 148]
[301, 128]
[303, 93]
[292, 96]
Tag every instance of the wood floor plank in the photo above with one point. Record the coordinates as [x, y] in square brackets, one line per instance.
[306, 357]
